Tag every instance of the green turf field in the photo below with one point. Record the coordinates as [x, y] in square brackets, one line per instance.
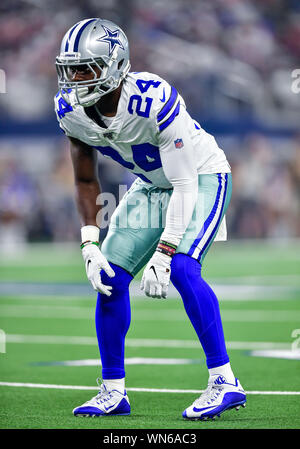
[47, 314]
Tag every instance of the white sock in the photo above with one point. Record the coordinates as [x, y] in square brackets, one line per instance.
[115, 384]
[223, 370]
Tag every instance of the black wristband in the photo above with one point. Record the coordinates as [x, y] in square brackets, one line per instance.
[166, 248]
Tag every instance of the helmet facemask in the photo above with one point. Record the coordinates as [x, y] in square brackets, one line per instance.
[88, 92]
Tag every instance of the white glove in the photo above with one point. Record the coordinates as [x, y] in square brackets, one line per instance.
[94, 263]
[156, 276]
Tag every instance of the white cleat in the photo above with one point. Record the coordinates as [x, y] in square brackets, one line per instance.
[218, 397]
[105, 403]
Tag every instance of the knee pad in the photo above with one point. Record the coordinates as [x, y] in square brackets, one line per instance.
[120, 281]
[183, 269]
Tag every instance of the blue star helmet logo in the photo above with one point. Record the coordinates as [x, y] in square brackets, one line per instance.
[112, 38]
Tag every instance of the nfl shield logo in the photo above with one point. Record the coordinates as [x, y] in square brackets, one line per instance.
[178, 143]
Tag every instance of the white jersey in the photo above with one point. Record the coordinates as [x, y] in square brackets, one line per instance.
[153, 136]
[147, 107]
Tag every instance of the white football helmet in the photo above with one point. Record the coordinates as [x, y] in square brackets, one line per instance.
[93, 43]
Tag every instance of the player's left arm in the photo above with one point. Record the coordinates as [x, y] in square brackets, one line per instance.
[180, 168]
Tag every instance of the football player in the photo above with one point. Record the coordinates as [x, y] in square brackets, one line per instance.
[183, 184]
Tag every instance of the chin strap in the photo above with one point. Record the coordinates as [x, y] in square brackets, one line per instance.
[84, 98]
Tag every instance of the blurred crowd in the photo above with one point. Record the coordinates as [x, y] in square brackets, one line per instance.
[266, 188]
[225, 56]
[37, 192]
[230, 59]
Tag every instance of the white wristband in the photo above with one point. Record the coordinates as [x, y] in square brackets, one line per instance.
[90, 232]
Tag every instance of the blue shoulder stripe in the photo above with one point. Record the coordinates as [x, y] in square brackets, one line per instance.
[168, 106]
[167, 122]
[79, 33]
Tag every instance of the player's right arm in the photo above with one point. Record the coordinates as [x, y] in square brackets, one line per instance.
[84, 160]
[87, 187]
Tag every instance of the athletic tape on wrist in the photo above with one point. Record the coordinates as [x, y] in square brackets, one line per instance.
[90, 233]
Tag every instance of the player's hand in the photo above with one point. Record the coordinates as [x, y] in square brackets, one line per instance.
[95, 262]
[156, 276]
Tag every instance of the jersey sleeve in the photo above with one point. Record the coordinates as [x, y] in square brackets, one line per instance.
[61, 107]
[179, 165]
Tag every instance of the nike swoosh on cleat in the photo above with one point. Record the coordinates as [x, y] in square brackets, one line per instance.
[163, 99]
[195, 409]
[108, 408]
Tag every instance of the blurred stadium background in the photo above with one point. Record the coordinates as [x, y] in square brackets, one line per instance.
[232, 60]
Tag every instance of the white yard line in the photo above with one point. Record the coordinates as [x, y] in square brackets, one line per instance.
[128, 361]
[140, 342]
[45, 298]
[73, 312]
[231, 289]
[143, 390]
[265, 280]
